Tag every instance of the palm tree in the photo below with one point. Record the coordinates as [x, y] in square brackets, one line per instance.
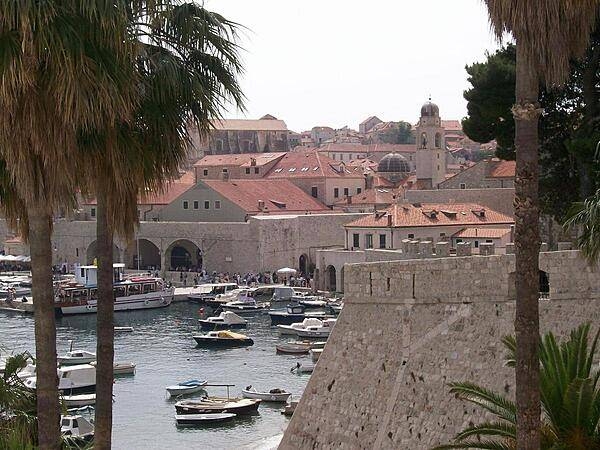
[586, 215]
[187, 66]
[570, 395]
[548, 35]
[54, 82]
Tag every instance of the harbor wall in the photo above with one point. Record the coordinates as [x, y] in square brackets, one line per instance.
[408, 328]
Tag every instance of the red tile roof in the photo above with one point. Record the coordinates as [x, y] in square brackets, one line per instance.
[375, 196]
[452, 125]
[489, 233]
[310, 164]
[241, 160]
[500, 169]
[278, 196]
[250, 125]
[370, 148]
[433, 214]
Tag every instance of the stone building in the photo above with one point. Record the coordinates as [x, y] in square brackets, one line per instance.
[348, 152]
[321, 134]
[243, 166]
[366, 125]
[489, 173]
[431, 148]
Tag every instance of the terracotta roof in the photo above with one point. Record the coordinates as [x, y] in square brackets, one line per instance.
[310, 164]
[278, 196]
[240, 160]
[375, 196]
[489, 233]
[370, 148]
[369, 118]
[379, 181]
[453, 125]
[433, 214]
[250, 125]
[500, 169]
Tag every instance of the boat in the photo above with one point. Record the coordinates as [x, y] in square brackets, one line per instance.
[223, 339]
[290, 407]
[71, 401]
[200, 419]
[186, 387]
[206, 293]
[244, 303]
[75, 357]
[131, 293]
[315, 353]
[316, 331]
[293, 348]
[123, 329]
[274, 395]
[215, 405]
[295, 327]
[76, 428]
[295, 313]
[303, 368]
[121, 368]
[335, 308]
[225, 320]
[80, 379]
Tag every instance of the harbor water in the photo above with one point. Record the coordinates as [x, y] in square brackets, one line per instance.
[165, 353]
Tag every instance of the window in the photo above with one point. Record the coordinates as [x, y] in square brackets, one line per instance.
[355, 240]
[304, 169]
[346, 192]
[206, 204]
[368, 241]
[333, 156]
[196, 204]
[463, 186]
[278, 170]
[315, 168]
[442, 235]
[438, 167]
[411, 236]
[336, 192]
[256, 170]
[247, 170]
[358, 190]
[225, 170]
[77, 252]
[205, 172]
[382, 241]
[217, 204]
[489, 241]
[93, 212]
[476, 244]
[186, 204]
[292, 169]
[314, 191]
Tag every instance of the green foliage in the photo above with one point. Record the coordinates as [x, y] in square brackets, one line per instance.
[397, 133]
[570, 396]
[586, 216]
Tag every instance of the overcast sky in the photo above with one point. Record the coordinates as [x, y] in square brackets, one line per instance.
[336, 62]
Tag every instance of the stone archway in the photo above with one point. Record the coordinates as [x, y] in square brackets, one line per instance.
[92, 253]
[303, 264]
[183, 254]
[145, 255]
[330, 279]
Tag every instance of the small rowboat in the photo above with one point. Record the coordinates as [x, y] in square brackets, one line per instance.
[200, 419]
[218, 405]
[186, 388]
[303, 368]
[124, 329]
[292, 348]
[274, 395]
[71, 401]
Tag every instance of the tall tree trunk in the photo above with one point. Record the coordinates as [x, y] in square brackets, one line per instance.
[105, 324]
[527, 247]
[48, 408]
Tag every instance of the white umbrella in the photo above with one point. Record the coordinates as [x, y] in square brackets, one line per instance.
[286, 271]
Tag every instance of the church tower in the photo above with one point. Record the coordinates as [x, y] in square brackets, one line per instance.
[431, 147]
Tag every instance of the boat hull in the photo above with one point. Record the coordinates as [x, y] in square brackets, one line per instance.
[267, 396]
[130, 303]
[244, 407]
[71, 401]
[175, 391]
[284, 318]
[205, 342]
[292, 349]
[75, 361]
[201, 419]
[212, 326]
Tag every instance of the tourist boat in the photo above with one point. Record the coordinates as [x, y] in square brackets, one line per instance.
[303, 368]
[295, 327]
[294, 313]
[222, 339]
[74, 380]
[206, 293]
[224, 321]
[131, 293]
[315, 353]
[75, 357]
[274, 395]
[76, 429]
[186, 387]
[217, 405]
[293, 348]
[200, 419]
[121, 368]
[71, 401]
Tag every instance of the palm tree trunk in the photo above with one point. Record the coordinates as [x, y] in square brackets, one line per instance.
[105, 326]
[527, 246]
[45, 329]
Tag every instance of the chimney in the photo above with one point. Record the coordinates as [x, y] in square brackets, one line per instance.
[252, 161]
[389, 220]
[261, 205]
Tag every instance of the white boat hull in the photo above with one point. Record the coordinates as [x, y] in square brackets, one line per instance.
[174, 391]
[267, 396]
[71, 401]
[133, 302]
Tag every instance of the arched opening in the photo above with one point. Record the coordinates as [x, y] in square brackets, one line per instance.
[342, 279]
[423, 140]
[303, 265]
[145, 255]
[184, 255]
[438, 140]
[92, 253]
[330, 278]
[544, 285]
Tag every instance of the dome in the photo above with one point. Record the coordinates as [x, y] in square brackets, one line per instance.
[394, 163]
[430, 109]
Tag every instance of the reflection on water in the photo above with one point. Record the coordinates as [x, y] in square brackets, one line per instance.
[165, 353]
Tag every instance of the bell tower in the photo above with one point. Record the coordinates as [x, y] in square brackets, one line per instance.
[431, 147]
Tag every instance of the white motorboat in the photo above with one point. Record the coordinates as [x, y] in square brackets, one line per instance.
[200, 419]
[75, 357]
[76, 428]
[293, 328]
[224, 321]
[79, 379]
[123, 329]
[186, 387]
[131, 293]
[315, 353]
[207, 293]
[121, 368]
[72, 401]
[303, 368]
[245, 303]
[274, 395]
[317, 332]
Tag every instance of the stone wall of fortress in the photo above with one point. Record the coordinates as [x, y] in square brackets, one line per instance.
[409, 328]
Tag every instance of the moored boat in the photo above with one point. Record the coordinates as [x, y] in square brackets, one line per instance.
[75, 357]
[244, 302]
[293, 348]
[294, 313]
[72, 401]
[315, 353]
[201, 419]
[303, 368]
[76, 429]
[224, 321]
[207, 293]
[213, 405]
[295, 327]
[80, 379]
[186, 387]
[274, 395]
[222, 339]
[121, 368]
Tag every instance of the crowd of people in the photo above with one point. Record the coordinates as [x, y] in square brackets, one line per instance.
[192, 278]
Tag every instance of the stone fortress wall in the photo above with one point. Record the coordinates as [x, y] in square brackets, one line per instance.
[409, 328]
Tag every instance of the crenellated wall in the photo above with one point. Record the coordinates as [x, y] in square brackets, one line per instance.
[407, 329]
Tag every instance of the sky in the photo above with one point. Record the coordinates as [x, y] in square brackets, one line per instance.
[336, 62]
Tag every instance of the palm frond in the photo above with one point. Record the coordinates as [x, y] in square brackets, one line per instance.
[487, 399]
[498, 429]
[586, 217]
